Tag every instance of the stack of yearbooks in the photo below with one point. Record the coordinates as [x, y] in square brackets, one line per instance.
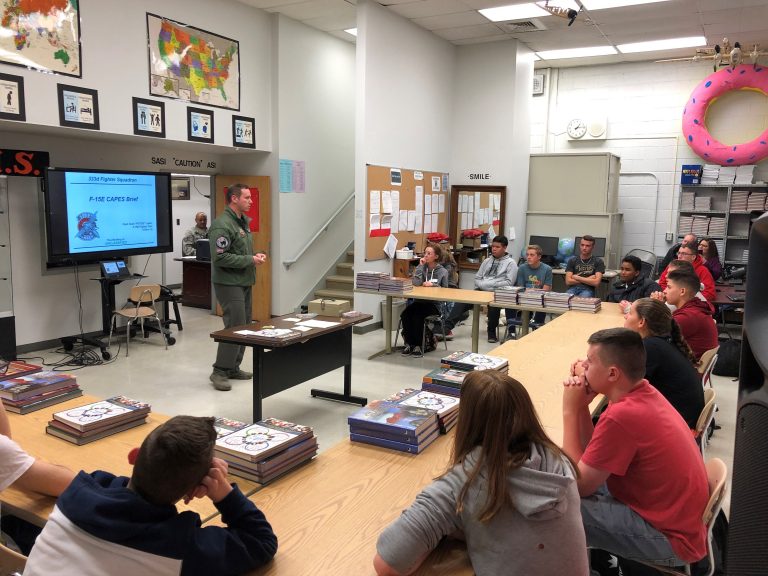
[90, 422]
[394, 425]
[531, 297]
[265, 450]
[24, 394]
[558, 300]
[369, 280]
[446, 381]
[395, 285]
[447, 407]
[468, 361]
[585, 304]
[507, 295]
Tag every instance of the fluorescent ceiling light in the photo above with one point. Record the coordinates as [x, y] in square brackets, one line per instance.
[602, 4]
[689, 42]
[352, 31]
[513, 12]
[576, 52]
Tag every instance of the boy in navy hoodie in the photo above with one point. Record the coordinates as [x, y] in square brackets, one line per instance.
[106, 524]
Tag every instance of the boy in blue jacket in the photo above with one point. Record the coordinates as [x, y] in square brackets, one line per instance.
[106, 524]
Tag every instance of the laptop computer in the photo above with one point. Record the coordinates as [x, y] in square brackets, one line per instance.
[203, 250]
[114, 269]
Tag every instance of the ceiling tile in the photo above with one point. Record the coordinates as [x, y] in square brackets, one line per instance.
[312, 9]
[340, 21]
[427, 8]
[464, 32]
[264, 4]
[451, 20]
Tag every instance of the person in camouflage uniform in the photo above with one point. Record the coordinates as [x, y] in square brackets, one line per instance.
[198, 232]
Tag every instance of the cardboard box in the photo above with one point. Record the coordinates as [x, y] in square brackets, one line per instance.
[328, 307]
[473, 243]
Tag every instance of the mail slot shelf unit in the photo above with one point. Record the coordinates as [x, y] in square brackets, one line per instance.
[571, 195]
[723, 213]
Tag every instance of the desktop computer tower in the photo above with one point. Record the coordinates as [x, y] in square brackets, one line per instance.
[8, 338]
[748, 532]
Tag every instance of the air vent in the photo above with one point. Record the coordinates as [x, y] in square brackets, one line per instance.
[523, 26]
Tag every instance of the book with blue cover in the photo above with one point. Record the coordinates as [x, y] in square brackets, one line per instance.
[21, 387]
[445, 377]
[395, 434]
[394, 445]
[383, 415]
[441, 389]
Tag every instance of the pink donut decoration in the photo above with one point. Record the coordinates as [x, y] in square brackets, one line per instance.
[743, 77]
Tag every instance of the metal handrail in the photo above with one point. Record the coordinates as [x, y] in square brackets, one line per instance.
[323, 228]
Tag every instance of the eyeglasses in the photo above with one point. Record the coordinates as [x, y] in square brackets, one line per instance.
[681, 253]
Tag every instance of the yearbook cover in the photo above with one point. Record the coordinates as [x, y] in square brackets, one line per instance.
[262, 439]
[445, 377]
[383, 415]
[441, 403]
[21, 387]
[473, 361]
[97, 414]
[17, 368]
[224, 426]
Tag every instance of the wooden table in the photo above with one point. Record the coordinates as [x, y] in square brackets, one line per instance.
[474, 297]
[109, 454]
[723, 291]
[328, 514]
[281, 363]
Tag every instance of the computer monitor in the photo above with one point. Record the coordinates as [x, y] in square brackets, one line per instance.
[598, 249]
[548, 244]
[203, 249]
[114, 269]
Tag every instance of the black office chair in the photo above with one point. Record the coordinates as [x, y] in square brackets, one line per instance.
[648, 261]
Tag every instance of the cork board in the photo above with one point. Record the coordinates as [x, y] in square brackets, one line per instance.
[381, 181]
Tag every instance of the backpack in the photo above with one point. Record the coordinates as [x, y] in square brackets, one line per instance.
[728, 359]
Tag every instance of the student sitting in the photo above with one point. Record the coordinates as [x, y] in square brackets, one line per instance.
[429, 273]
[692, 314]
[533, 274]
[689, 252]
[669, 363]
[631, 285]
[711, 257]
[22, 471]
[105, 524]
[641, 449]
[509, 490]
[584, 272]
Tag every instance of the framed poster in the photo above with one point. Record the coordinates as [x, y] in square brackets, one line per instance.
[12, 97]
[43, 36]
[179, 188]
[242, 132]
[199, 125]
[187, 63]
[148, 118]
[78, 107]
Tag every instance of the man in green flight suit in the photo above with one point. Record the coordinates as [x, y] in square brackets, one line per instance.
[233, 266]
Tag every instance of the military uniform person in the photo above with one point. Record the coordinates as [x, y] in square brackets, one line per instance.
[198, 232]
[233, 267]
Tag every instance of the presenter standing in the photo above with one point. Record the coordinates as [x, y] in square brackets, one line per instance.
[234, 274]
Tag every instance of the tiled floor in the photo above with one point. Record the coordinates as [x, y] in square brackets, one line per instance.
[176, 381]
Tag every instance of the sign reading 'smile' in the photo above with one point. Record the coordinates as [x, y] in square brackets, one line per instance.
[23, 162]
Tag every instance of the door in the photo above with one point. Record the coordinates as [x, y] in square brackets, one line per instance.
[261, 233]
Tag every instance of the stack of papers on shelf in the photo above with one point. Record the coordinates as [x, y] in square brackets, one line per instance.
[720, 244]
[716, 226]
[745, 174]
[507, 295]
[684, 224]
[700, 225]
[265, 450]
[727, 175]
[702, 203]
[585, 304]
[85, 424]
[739, 200]
[710, 174]
[557, 300]
[756, 201]
[687, 200]
[24, 394]
[394, 425]
[369, 280]
[531, 297]
[395, 285]
[745, 256]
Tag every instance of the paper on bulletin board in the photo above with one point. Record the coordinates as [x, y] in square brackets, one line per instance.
[428, 204]
[434, 223]
[386, 221]
[286, 175]
[427, 224]
[375, 222]
[411, 220]
[395, 212]
[435, 183]
[491, 233]
[403, 220]
[418, 227]
[395, 176]
[497, 201]
[477, 201]
[419, 208]
[445, 182]
[386, 202]
[441, 204]
[418, 175]
[374, 204]
[390, 246]
[434, 204]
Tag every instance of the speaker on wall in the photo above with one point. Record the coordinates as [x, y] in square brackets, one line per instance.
[748, 533]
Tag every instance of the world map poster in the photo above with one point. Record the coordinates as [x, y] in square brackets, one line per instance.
[41, 34]
[193, 65]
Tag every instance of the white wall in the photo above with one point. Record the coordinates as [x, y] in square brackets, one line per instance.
[115, 63]
[404, 109]
[643, 103]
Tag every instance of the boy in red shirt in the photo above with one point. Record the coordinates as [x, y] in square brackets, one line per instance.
[693, 315]
[641, 476]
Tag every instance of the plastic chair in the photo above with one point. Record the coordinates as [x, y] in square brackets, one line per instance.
[705, 419]
[144, 297]
[717, 476]
[517, 322]
[11, 563]
[706, 365]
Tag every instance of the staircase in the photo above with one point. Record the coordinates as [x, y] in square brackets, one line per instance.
[340, 286]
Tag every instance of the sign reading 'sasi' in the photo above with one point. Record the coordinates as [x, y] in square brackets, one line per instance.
[23, 162]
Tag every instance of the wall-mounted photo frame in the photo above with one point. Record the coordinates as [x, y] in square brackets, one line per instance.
[78, 107]
[242, 132]
[199, 125]
[12, 98]
[538, 84]
[179, 188]
[148, 118]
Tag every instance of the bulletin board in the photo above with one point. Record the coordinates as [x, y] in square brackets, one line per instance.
[381, 182]
[477, 207]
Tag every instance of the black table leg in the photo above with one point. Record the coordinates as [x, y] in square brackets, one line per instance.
[346, 396]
